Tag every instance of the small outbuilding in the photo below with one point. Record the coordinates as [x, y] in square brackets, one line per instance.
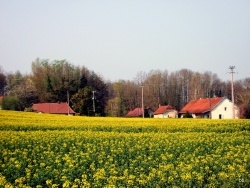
[137, 112]
[166, 112]
[53, 108]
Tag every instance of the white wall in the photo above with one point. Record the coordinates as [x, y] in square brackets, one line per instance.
[158, 116]
[172, 114]
[168, 114]
[224, 109]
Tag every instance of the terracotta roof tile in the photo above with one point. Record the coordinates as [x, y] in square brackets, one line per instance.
[163, 109]
[135, 113]
[201, 105]
[53, 108]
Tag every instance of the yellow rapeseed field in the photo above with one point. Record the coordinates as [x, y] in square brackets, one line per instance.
[42, 150]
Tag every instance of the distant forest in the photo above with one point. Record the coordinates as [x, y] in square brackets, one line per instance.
[52, 81]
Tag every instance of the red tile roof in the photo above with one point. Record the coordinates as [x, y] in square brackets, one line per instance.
[163, 109]
[135, 113]
[53, 108]
[201, 105]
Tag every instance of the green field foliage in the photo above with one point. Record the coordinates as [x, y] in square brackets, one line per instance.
[42, 150]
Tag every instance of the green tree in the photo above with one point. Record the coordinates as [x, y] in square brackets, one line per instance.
[10, 103]
[82, 101]
[21, 87]
[54, 79]
[120, 98]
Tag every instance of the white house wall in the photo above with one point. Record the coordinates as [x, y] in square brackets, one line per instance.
[172, 114]
[169, 114]
[158, 116]
[224, 110]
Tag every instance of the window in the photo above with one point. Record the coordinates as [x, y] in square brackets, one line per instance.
[225, 108]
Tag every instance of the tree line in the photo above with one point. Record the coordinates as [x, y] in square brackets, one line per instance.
[90, 94]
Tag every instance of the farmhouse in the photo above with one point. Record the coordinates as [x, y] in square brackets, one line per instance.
[53, 108]
[214, 108]
[165, 112]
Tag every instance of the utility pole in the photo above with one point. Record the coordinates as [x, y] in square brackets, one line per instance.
[232, 88]
[93, 101]
[210, 108]
[142, 104]
[68, 100]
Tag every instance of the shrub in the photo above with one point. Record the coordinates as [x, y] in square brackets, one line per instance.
[10, 103]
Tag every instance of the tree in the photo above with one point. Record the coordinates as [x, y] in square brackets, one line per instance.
[243, 97]
[120, 98]
[96, 83]
[10, 103]
[112, 107]
[27, 94]
[82, 101]
[21, 87]
[3, 81]
[195, 87]
[54, 79]
[153, 88]
[41, 71]
[174, 91]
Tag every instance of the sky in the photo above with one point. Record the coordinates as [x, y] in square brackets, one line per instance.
[119, 38]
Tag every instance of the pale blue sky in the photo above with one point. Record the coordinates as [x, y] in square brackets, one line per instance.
[119, 38]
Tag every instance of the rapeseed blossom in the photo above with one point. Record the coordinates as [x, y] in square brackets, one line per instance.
[41, 150]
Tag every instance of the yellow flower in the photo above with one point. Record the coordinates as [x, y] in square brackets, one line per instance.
[223, 176]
